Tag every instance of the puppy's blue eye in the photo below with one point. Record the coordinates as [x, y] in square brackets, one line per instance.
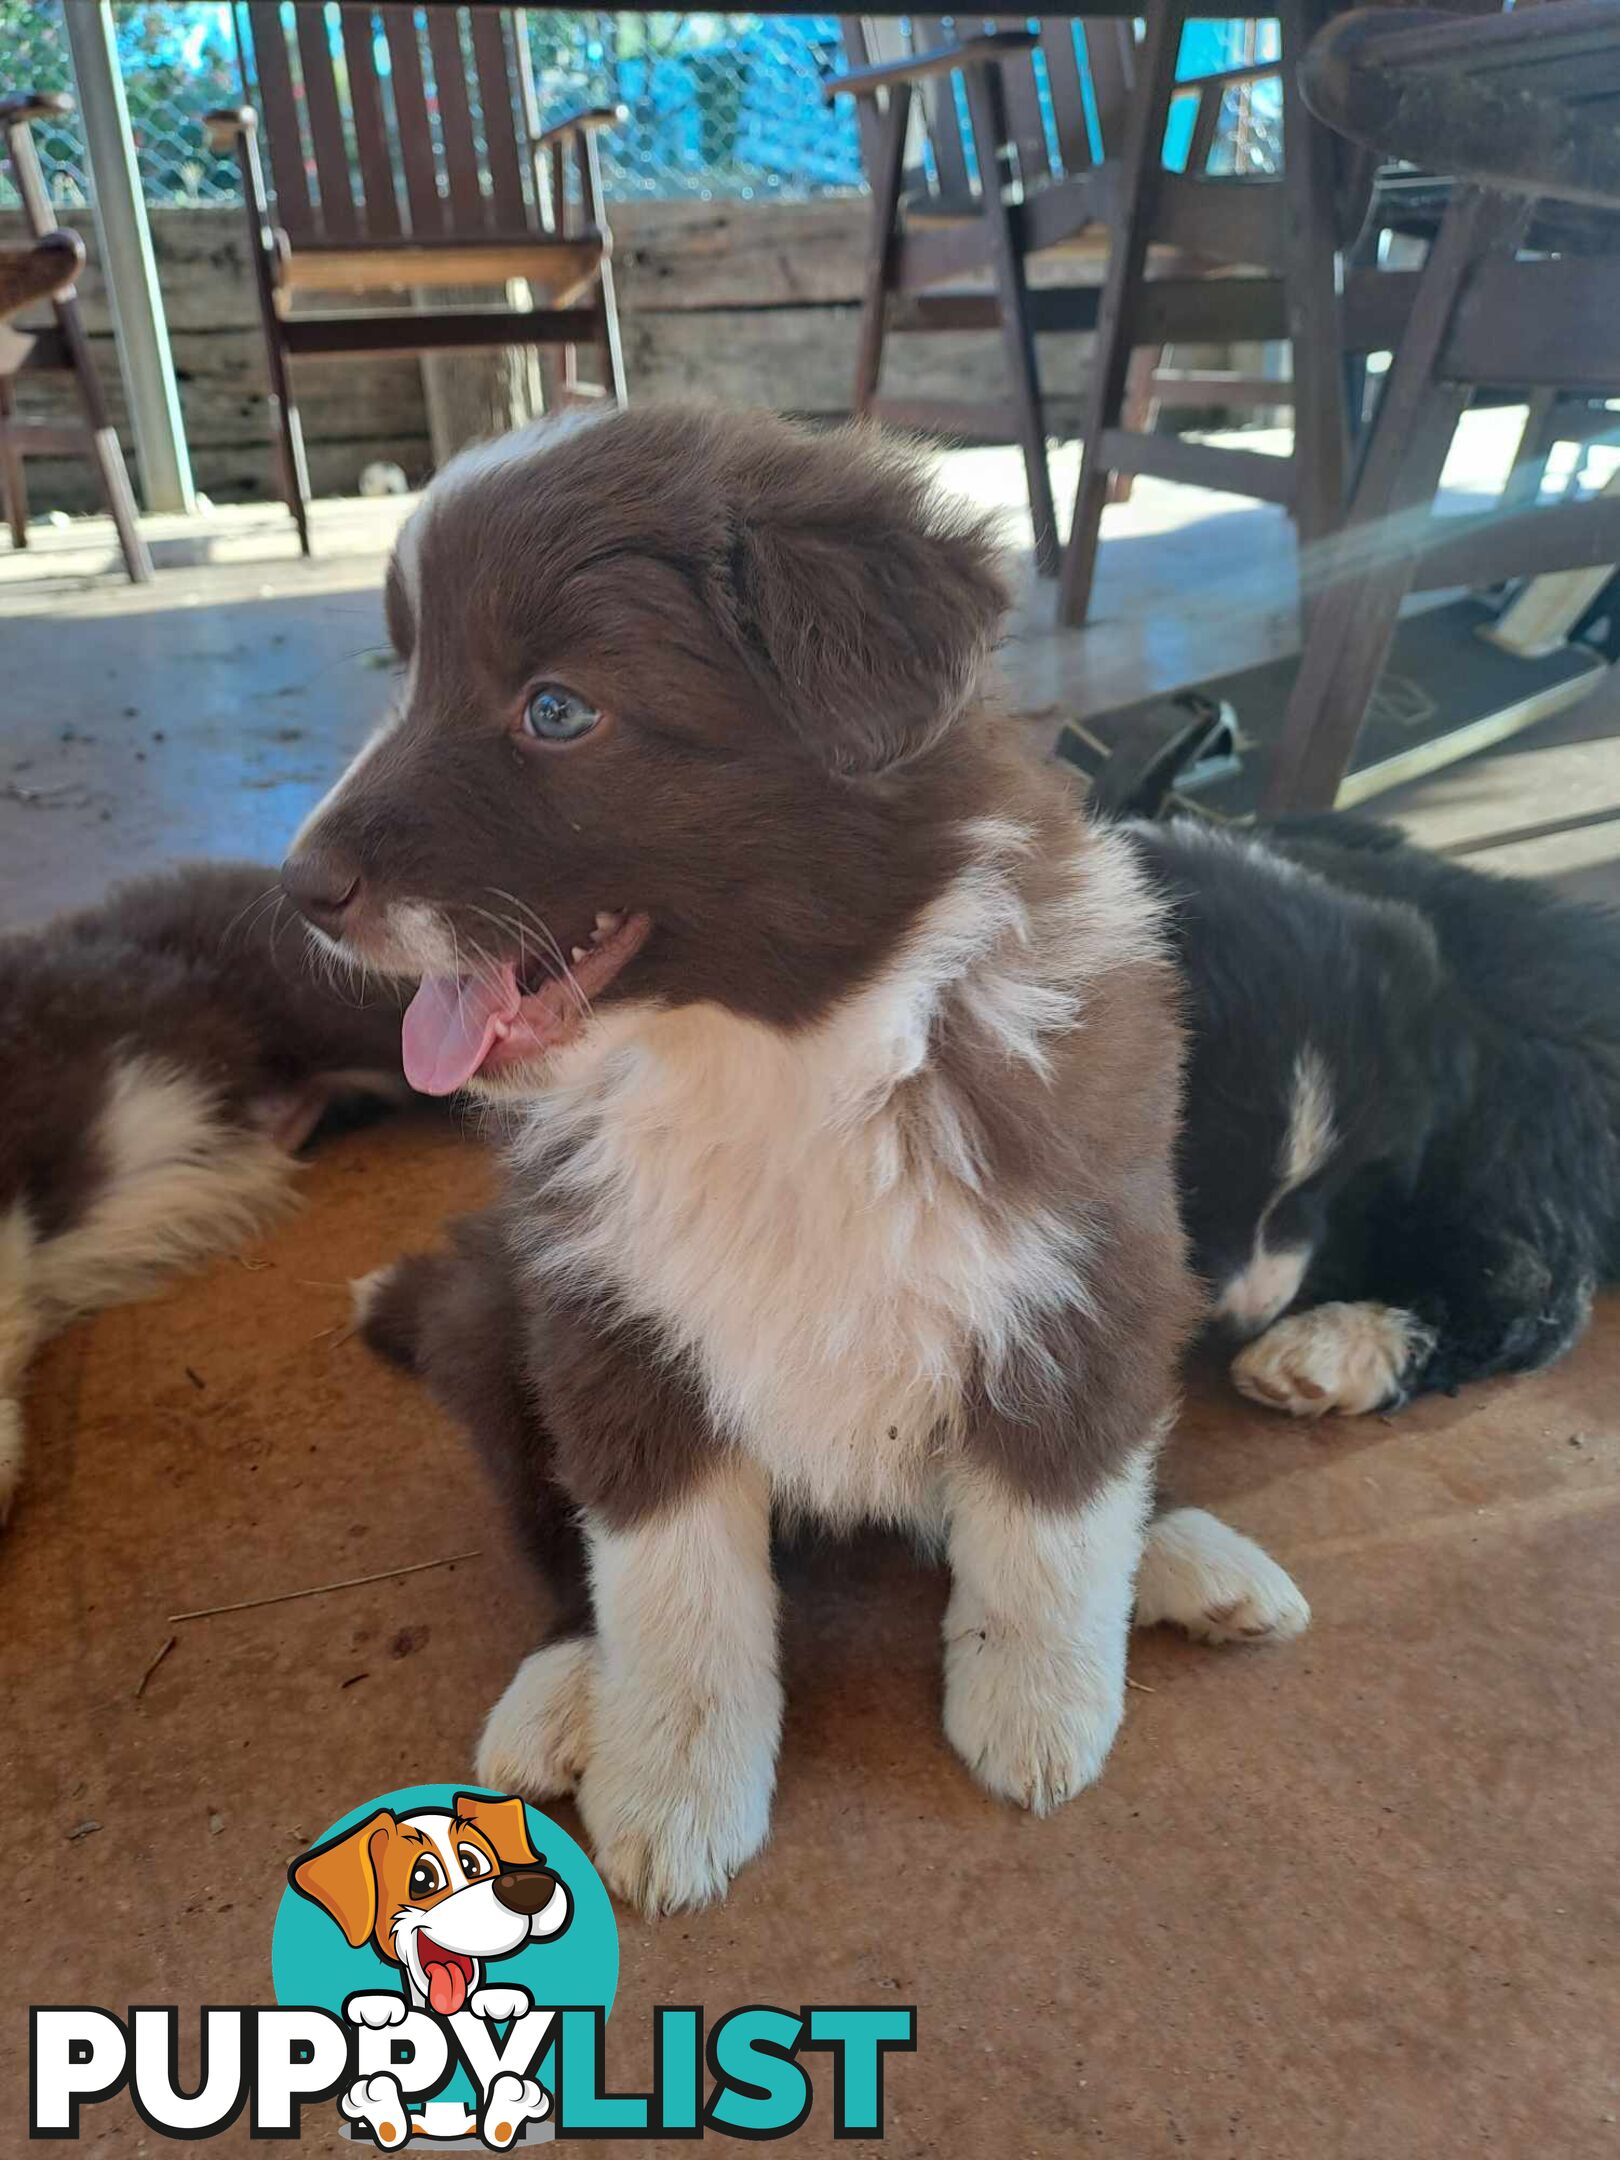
[554, 714]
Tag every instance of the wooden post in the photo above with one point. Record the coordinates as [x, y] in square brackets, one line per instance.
[127, 261]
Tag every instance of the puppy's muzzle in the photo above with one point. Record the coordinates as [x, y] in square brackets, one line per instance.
[322, 885]
[525, 1890]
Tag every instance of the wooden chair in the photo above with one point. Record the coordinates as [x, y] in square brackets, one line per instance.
[937, 229]
[1286, 237]
[452, 181]
[62, 348]
[1518, 292]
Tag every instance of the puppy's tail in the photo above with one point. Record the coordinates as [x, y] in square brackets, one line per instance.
[1200, 1575]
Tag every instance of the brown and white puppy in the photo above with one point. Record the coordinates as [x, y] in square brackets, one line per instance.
[843, 1063]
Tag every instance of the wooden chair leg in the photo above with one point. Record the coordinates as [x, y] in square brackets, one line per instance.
[13, 479]
[1139, 409]
[888, 173]
[987, 114]
[1375, 554]
[589, 165]
[113, 473]
[1116, 312]
[105, 451]
[293, 464]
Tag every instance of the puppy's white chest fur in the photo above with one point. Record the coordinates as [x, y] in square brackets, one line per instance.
[806, 1216]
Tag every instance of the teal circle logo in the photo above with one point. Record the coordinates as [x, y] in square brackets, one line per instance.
[449, 1898]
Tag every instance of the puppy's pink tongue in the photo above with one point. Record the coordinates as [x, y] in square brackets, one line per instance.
[452, 1024]
[447, 1985]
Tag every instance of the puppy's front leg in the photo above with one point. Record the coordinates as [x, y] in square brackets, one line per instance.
[1036, 1629]
[677, 1792]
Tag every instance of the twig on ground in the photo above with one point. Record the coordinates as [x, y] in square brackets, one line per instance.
[349, 1582]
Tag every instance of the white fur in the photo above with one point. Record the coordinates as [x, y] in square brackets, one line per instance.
[177, 1183]
[1270, 1282]
[805, 1214]
[1035, 1632]
[537, 1738]
[1344, 1359]
[1200, 1575]
[180, 1183]
[1267, 1286]
[688, 1706]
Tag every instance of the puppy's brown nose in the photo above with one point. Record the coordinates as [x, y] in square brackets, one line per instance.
[321, 885]
[526, 1890]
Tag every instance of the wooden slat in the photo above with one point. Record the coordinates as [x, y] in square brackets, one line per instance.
[1111, 63]
[991, 421]
[1058, 35]
[1025, 119]
[411, 121]
[546, 263]
[1195, 464]
[1484, 550]
[407, 330]
[930, 32]
[467, 208]
[495, 98]
[274, 72]
[380, 199]
[1224, 220]
[338, 219]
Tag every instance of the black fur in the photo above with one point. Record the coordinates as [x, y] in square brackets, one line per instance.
[1469, 1029]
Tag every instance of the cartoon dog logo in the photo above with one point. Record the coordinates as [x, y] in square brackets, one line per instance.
[439, 1894]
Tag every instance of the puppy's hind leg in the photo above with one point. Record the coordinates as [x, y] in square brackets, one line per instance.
[1199, 1574]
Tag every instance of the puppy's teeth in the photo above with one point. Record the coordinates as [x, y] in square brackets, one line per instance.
[607, 922]
[579, 952]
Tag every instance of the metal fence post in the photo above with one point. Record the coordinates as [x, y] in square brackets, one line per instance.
[127, 260]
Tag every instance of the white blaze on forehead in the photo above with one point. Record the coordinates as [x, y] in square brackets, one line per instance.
[438, 1830]
[1271, 1280]
[1310, 1136]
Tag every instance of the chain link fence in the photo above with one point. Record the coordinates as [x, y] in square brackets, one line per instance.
[718, 104]
[724, 105]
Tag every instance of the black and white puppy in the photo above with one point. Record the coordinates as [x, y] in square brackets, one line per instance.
[1400, 1163]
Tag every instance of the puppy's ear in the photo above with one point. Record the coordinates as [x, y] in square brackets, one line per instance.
[342, 1877]
[505, 1825]
[870, 601]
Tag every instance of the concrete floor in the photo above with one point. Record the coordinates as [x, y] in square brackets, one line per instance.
[1354, 1897]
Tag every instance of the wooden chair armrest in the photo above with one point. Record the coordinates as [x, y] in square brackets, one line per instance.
[34, 105]
[226, 122]
[580, 123]
[917, 67]
[1251, 71]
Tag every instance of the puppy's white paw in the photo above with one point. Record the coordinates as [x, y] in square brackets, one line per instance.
[1334, 1359]
[376, 2012]
[1201, 1575]
[537, 1739]
[512, 2102]
[499, 2005]
[380, 2105]
[670, 1847]
[1033, 1720]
